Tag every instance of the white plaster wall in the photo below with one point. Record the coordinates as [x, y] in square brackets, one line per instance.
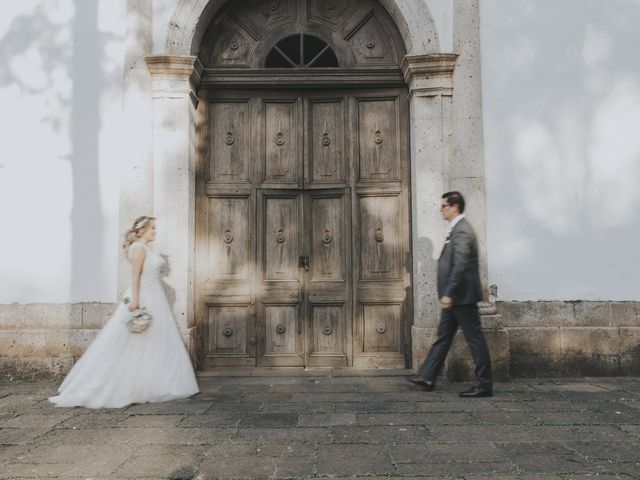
[561, 94]
[60, 91]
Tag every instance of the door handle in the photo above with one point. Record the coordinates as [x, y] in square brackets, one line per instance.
[303, 262]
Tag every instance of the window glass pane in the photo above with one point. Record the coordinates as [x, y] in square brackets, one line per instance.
[312, 47]
[291, 47]
[327, 60]
[275, 60]
[288, 50]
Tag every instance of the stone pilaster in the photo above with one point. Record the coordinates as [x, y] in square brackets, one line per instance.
[467, 169]
[174, 80]
[429, 78]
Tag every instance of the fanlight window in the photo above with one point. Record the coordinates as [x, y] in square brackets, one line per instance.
[301, 50]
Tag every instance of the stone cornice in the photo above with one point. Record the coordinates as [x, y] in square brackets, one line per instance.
[429, 75]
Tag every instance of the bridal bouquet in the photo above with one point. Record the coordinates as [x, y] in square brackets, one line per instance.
[139, 321]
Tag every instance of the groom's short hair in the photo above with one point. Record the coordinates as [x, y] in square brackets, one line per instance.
[455, 198]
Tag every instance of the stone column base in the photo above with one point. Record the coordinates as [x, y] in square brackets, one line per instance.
[189, 339]
[459, 365]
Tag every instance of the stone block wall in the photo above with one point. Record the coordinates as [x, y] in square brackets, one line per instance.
[526, 339]
[554, 339]
[572, 338]
[43, 340]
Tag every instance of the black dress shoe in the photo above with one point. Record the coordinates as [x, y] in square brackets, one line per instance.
[474, 392]
[420, 382]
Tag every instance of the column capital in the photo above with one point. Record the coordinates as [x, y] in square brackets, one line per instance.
[174, 76]
[185, 66]
[429, 75]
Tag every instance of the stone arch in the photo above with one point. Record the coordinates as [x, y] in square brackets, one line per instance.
[191, 19]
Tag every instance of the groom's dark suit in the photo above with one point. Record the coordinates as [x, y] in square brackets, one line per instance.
[459, 278]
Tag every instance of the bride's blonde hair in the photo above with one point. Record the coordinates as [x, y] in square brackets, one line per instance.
[139, 226]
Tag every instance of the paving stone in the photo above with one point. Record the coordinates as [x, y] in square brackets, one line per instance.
[9, 453]
[231, 408]
[286, 449]
[94, 468]
[170, 462]
[169, 408]
[631, 429]
[255, 466]
[210, 421]
[516, 448]
[354, 459]
[381, 435]
[561, 433]
[268, 420]
[553, 406]
[597, 476]
[326, 420]
[19, 403]
[220, 397]
[617, 451]
[93, 421]
[474, 405]
[525, 397]
[599, 396]
[519, 476]
[300, 408]
[32, 421]
[567, 418]
[279, 435]
[20, 436]
[268, 397]
[504, 418]
[146, 421]
[480, 433]
[547, 463]
[455, 469]
[247, 427]
[71, 454]
[631, 469]
[369, 406]
[435, 452]
[140, 436]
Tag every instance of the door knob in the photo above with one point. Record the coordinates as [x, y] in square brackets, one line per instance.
[303, 261]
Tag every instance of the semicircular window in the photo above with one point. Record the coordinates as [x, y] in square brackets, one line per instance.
[301, 50]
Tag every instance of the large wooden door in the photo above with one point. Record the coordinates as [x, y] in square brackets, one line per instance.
[303, 229]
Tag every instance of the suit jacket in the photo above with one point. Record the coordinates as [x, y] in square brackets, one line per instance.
[458, 266]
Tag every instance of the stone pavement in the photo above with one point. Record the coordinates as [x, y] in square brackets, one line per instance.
[332, 425]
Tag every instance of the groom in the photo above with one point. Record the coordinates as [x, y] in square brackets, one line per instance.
[459, 291]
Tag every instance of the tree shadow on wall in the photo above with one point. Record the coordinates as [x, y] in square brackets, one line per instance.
[80, 59]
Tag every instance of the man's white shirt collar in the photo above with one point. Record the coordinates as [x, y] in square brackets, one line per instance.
[455, 221]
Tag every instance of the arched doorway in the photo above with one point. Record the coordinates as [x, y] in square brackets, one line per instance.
[303, 248]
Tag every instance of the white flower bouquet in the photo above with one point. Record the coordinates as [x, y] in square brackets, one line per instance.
[139, 321]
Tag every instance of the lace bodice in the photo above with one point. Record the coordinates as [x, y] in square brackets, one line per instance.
[154, 263]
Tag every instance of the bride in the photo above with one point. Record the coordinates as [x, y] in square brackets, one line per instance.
[120, 367]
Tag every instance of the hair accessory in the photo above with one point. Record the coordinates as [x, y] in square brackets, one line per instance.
[140, 223]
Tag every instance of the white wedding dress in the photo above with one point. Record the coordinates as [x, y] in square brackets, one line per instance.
[120, 368]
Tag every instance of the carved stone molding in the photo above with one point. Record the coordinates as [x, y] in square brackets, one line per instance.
[429, 75]
[167, 71]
